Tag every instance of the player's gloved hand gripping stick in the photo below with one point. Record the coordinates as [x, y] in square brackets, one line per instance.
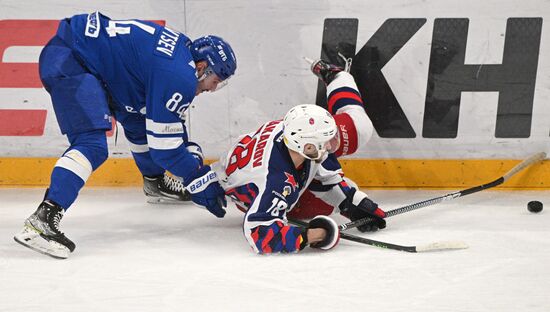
[519, 167]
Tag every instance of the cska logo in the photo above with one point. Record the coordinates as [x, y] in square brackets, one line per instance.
[290, 180]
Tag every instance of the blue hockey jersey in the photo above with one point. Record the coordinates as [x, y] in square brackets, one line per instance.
[150, 74]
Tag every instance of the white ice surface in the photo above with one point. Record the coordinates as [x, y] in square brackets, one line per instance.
[133, 256]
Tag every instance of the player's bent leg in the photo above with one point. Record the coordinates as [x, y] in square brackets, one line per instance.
[346, 105]
[87, 152]
[355, 129]
[81, 108]
[363, 124]
[349, 141]
[159, 186]
[41, 230]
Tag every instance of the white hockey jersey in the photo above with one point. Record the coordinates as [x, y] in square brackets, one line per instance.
[259, 175]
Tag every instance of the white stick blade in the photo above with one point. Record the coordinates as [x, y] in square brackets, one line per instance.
[445, 245]
[308, 60]
[524, 164]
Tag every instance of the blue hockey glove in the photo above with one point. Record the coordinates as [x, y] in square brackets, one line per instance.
[206, 191]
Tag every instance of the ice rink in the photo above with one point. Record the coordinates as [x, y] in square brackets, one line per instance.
[134, 256]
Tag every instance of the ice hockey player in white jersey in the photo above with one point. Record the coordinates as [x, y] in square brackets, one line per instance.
[267, 171]
[345, 103]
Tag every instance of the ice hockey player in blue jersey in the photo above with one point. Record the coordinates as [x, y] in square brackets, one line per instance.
[144, 74]
[267, 171]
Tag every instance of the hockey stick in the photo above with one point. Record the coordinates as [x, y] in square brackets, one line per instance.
[438, 246]
[522, 165]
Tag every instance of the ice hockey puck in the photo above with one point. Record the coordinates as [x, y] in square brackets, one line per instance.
[534, 206]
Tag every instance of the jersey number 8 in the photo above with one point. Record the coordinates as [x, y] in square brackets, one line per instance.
[241, 155]
[174, 101]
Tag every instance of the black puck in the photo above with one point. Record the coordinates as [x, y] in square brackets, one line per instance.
[534, 206]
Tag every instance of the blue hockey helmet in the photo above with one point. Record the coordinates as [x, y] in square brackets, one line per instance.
[217, 53]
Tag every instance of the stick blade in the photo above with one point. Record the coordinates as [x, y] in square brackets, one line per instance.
[308, 60]
[524, 164]
[444, 245]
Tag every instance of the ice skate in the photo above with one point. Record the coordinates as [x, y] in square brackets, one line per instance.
[41, 232]
[165, 189]
[326, 71]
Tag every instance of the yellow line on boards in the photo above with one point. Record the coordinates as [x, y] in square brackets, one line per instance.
[31, 172]
[444, 173]
[369, 173]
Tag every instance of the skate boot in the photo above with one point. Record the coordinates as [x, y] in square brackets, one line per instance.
[41, 232]
[165, 189]
[326, 71]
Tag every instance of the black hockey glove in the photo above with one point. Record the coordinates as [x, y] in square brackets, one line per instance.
[358, 206]
[333, 234]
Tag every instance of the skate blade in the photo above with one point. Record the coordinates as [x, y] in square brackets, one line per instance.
[31, 239]
[166, 201]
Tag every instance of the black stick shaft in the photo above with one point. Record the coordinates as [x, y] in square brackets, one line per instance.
[363, 240]
[375, 243]
[524, 164]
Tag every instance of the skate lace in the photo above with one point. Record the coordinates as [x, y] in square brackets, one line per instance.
[347, 61]
[56, 220]
[316, 67]
[54, 224]
[172, 183]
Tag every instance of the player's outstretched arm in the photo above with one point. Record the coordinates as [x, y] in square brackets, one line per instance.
[358, 206]
[322, 233]
[276, 237]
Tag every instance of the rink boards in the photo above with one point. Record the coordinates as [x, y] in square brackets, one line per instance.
[457, 90]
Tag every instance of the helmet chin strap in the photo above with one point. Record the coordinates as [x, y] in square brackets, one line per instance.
[208, 72]
[320, 155]
[205, 74]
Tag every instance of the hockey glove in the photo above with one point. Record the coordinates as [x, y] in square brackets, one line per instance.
[332, 233]
[358, 206]
[206, 191]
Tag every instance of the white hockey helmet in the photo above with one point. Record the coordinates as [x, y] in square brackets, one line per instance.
[310, 124]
